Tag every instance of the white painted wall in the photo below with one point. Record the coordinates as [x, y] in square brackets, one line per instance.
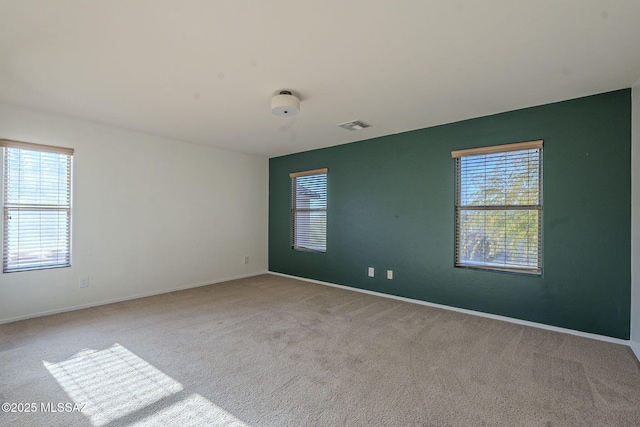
[635, 219]
[150, 215]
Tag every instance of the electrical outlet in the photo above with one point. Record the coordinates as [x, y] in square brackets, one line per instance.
[84, 282]
[246, 260]
[372, 272]
[390, 274]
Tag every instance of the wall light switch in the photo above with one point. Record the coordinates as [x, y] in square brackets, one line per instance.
[371, 272]
[390, 274]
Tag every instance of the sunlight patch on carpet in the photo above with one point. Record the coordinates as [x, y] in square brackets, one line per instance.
[114, 383]
[194, 410]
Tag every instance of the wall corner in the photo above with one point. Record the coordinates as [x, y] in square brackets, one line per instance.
[635, 218]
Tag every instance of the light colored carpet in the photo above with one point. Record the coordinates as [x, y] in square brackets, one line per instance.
[273, 351]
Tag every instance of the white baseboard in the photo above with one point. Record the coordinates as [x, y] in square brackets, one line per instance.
[474, 313]
[127, 298]
[635, 347]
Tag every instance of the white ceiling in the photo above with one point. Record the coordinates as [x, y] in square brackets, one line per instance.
[204, 71]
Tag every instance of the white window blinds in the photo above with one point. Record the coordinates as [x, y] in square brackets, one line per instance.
[499, 207]
[36, 192]
[309, 210]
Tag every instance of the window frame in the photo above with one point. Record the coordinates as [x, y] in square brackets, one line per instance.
[65, 208]
[294, 241]
[535, 207]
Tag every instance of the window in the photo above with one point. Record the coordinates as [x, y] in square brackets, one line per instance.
[36, 203]
[499, 207]
[309, 210]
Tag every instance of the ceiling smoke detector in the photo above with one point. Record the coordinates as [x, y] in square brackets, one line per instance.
[355, 125]
[285, 104]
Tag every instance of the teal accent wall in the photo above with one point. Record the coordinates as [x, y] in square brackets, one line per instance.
[391, 206]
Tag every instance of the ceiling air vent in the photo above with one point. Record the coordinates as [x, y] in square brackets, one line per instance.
[355, 125]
